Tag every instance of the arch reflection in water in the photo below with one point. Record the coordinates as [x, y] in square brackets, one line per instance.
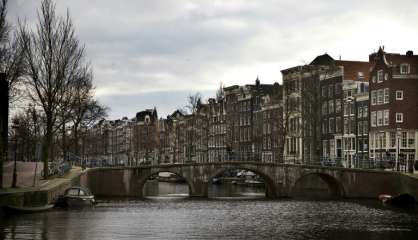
[237, 183]
[165, 184]
[317, 186]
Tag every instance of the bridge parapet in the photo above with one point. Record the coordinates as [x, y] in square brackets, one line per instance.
[281, 180]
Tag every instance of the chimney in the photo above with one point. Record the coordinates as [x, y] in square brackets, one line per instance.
[409, 53]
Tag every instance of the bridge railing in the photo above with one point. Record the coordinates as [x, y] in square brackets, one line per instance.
[365, 163]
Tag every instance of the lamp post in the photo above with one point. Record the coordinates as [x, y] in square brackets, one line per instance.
[14, 179]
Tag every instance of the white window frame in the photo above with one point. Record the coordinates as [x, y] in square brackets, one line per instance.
[374, 97]
[386, 117]
[380, 97]
[379, 118]
[401, 93]
[380, 76]
[399, 117]
[373, 118]
[386, 96]
[408, 68]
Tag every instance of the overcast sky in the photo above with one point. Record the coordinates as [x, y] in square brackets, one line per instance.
[156, 52]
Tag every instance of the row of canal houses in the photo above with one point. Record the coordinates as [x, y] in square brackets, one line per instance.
[349, 113]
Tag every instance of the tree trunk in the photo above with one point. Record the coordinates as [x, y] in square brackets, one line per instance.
[64, 147]
[76, 138]
[46, 147]
[4, 117]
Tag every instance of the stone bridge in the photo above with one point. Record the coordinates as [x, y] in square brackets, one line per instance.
[281, 180]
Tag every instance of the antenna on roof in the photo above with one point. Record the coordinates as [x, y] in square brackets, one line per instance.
[339, 57]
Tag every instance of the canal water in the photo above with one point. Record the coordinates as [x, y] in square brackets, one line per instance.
[174, 216]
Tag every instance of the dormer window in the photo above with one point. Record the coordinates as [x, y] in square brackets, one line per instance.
[404, 69]
[380, 76]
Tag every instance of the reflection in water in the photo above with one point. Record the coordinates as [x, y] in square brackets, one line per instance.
[167, 218]
[154, 188]
[229, 190]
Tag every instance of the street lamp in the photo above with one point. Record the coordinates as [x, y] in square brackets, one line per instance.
[15, 127]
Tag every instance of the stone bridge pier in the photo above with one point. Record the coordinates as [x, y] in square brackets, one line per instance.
[280, 180]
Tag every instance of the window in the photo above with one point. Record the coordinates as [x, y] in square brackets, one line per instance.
[365, 127]
[380, 76]
[324, 91]
[374, 98]
[346, 126]
[324, 126]
[337, 105]
[360, 128]
[379, 118]
[404, 138]
[373, 119]
[386, 95]
[380, 96]
[386, 76]
[359, 112]
[331, 106]
[365, 111]
[399, 95]
[338, 125]
[399, 117]
[392, 139]
[404, 69]
[331, 125]
[353, 125]
[324, 108]
[373, 79]
[386, 117]
[411, 140]
[360, 74]
[330, 90]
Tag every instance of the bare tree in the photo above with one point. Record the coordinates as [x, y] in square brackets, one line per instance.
[11, 54]
[55, 62]
[11, 69]
[193, 102]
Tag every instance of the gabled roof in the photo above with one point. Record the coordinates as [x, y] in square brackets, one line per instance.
[152, 113]
[322, 60]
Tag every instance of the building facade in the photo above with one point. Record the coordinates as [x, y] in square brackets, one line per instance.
[393, 108]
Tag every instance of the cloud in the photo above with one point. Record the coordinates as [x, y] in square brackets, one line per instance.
[142, 47]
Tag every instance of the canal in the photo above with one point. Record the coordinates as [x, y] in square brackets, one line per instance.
[233, 212]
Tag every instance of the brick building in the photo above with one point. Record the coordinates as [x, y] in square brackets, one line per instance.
[268, 127]
[394, 107]
[217, 139]
[301, 113]
[242, 104]
[145, 137]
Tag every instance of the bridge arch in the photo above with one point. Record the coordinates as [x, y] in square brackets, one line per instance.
[143, 180]
[335, 187]
[268, 181]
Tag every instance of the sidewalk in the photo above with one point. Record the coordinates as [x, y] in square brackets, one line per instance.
[45, 192]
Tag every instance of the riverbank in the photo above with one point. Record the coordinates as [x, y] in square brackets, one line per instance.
[45, 192]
